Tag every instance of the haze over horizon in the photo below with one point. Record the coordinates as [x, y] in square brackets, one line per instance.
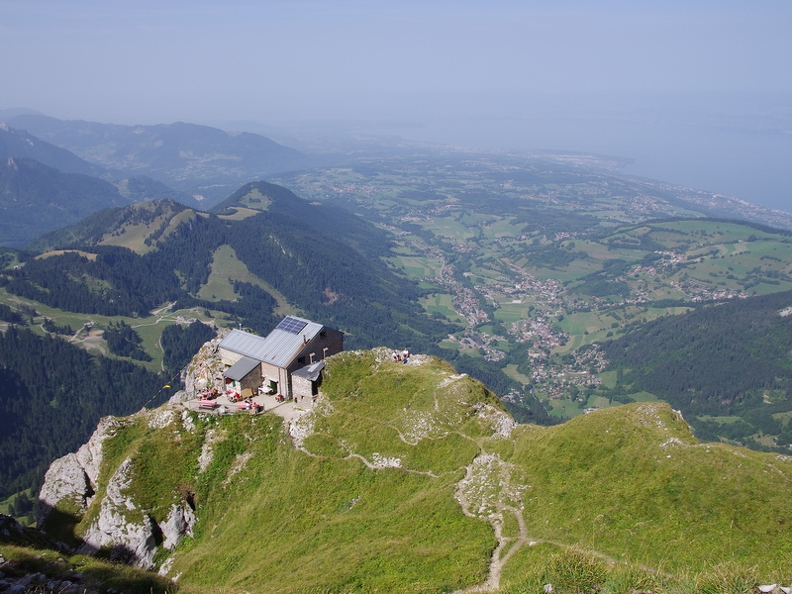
[697, 93]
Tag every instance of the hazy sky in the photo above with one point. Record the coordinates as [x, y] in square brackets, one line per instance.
[630, 78]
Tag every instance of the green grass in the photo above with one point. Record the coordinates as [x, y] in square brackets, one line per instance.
[692, 503]
[98, 574]
[612, 499]
[5, 506]
[269, 522]
[227, 268]
[509, 312]
[564, 409]
[644, 397]
[89, 336]
[511, 371]
[442, 303]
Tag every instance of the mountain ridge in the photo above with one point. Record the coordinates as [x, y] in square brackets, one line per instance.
[20, 144]
[36, 198]
[191, 158]
[435, 487]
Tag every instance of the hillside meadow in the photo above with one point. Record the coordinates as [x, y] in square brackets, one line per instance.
[412, 478]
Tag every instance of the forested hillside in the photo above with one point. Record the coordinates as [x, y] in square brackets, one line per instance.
[36, 198]
[729, 360]
[322, 259]
[53, 395]
[139, 227]
[18, 144]
[190, 158]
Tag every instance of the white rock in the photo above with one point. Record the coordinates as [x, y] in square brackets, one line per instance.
[129, 536]
[65, 481]
[73, 478]
[179, 524]
[90, 455]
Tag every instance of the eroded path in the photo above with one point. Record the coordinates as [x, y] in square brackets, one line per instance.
[491, 491]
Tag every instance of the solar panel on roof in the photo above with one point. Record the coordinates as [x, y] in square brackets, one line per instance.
[293, 325]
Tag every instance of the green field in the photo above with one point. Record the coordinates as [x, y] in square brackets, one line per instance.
[88, 327]
[443, 304]
[226, 268]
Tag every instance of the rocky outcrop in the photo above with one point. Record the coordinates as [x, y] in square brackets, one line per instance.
[205, 371]
[129, 533]
[179, 524]
[65, 485]
[70, 482]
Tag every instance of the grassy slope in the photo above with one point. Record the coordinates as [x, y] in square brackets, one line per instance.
[633, 484]
[318, 518]
[226, 268]
[327, 521]
[630, 484]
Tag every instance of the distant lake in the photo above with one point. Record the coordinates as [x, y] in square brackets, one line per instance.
[739, 153]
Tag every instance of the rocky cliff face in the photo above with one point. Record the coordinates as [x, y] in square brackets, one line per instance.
[105, 507]
[70, 481]
[120, 526]
[205, 371]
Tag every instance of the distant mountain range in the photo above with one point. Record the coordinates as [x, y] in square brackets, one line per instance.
[36, 198]
[205, 162]
[195, 165]
[20, 144]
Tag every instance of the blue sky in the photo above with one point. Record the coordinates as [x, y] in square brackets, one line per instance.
[547, 68]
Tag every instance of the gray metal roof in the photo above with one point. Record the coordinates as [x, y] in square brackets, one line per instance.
[241, 368]
[279, 347]
[311, 371]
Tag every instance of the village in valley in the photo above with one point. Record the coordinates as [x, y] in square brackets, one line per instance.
[535, 273]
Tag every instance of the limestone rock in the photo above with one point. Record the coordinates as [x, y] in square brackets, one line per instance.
[70, 481]
[204, 372]
[179, 523]
[120, 527]
[90, 454]
[66, 482]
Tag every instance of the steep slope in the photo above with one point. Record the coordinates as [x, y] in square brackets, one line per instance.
[20, 144]
[35, 199]
[53, 395]
[412, 478]
[138, 227]
[321, 259]
[730, 359]
[188, 157]
[327, 262]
